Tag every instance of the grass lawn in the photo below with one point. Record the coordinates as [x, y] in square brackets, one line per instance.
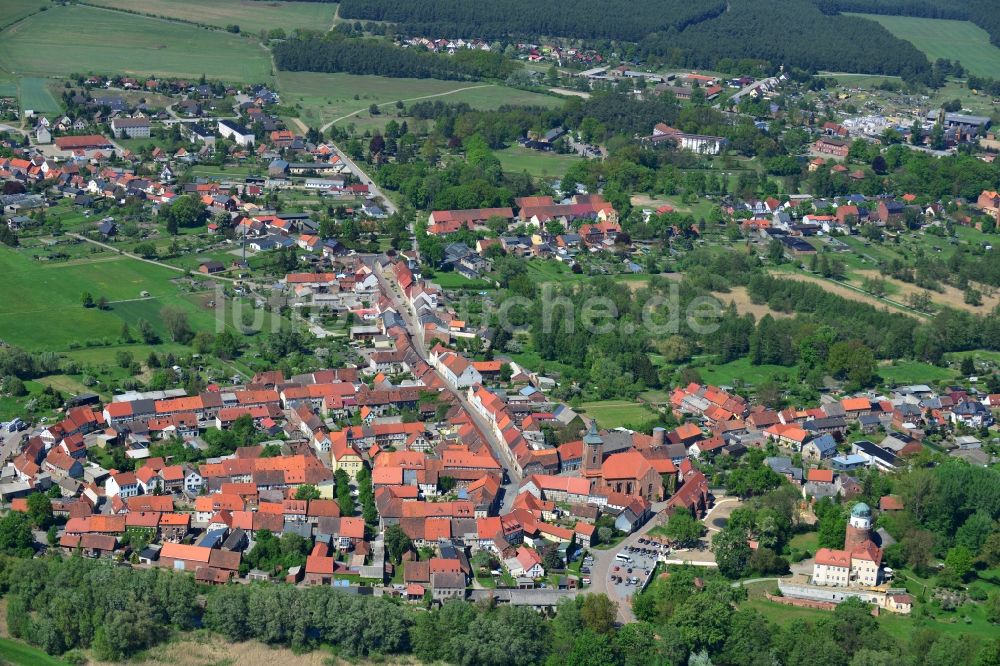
[982, 355]
[806, 542]
[452, 280]
[657, 396]
[41, 308]
[913, 372]
[550, 270]
[741, 370]
[615, 413]
[486, 581]
[83, 39]
[222, 173]
[518, 158]
[21, 654]
[11, 406]
[251, 15]
[900, 627]
[939, 38]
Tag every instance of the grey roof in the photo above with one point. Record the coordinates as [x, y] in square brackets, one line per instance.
[783, 465]
[816, 425]
[824, 443]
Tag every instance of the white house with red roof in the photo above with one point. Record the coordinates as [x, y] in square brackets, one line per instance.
[526, 562]
[455, 369]
[124, 484]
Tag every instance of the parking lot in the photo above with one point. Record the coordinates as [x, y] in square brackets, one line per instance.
[627, 577]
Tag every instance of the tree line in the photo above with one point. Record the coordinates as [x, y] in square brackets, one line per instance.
[575, 19]
[335, 52]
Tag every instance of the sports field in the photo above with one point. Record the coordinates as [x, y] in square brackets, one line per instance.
[325, 98]
[251, 15]
[84, 39]
[939, 38]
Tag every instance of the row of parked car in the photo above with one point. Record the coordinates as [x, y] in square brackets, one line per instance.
[14, 426]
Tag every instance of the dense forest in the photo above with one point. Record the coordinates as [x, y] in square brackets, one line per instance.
[792, 33]
[575, 19]
[336, 53]
[701, 33]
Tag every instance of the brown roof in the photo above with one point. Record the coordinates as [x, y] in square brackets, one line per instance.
[417, 572]
[224, 559]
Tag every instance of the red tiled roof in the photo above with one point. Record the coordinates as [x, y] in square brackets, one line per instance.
[820, 476]
[833, 558]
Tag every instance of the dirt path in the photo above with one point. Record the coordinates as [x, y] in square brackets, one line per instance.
[148, 261]
[571, 93]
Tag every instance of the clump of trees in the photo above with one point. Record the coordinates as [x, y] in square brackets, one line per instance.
[125, 610]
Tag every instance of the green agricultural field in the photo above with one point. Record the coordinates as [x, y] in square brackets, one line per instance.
[40, 305]
[544, 165]
[615, 413]
[12, 11]
[251, 15]
[326, 98]
[956, 40]
[82, 39]
[36, 95]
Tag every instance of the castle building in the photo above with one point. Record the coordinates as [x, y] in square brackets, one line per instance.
[859, 563]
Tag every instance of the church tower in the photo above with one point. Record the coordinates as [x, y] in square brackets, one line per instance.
[859, 527]
[593, 452]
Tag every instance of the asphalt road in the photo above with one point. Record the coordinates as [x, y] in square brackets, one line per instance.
[373, 189]
[513, 479]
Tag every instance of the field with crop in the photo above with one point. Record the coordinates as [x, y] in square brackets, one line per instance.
[12, 11]
[346, 98]
[938, 38]
[85, 39]
[250, 15]
[36, 95]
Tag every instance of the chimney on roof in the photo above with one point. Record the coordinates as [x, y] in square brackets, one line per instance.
[659, 436]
